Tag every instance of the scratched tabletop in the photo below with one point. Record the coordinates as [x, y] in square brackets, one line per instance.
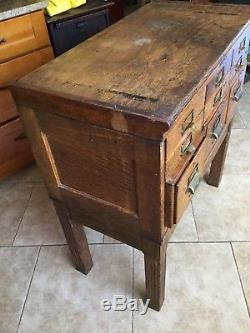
[150, 63]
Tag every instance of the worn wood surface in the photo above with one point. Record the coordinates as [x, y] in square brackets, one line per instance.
[24, 46]
[14, 69]
[101, 122]
[155, 274]
[15, 150]
[149, 64]
[76, 239]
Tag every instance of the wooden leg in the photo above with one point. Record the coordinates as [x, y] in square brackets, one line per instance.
[155, 271]
[76, 239]
[218, 162]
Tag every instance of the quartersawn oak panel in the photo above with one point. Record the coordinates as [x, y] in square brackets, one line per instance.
[92, 160]
[141, 86]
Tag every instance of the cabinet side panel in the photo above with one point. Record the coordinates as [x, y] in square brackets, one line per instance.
[93, 161]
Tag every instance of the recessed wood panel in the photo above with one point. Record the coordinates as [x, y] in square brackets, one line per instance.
[92, 160]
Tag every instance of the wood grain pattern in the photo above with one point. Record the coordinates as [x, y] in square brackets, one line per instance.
[152, 75]
[40, 150]
[155, 272]
[18, 67]
[24, 46]
[22, 35]
[76, 239]
[101, 159]
[236, 89]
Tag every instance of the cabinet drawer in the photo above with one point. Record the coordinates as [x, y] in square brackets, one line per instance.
[16, 68]
[219, 75]
[14, 143]
[240, 54]
[189, 181]
[216, 127]
[7, 106]
[216, 99]
[186, 149]
[186, 122]
[21, 35]
[236, 93]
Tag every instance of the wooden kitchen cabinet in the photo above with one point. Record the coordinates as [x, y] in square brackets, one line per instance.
[24, 46]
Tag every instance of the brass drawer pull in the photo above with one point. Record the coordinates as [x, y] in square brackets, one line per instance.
[238, 94]
[2, 40]
[194, 181]
[242, 46]
[217, 129]
[188, 123]
[220, 77]
[240, 64]
[187, 147]
[218, 97]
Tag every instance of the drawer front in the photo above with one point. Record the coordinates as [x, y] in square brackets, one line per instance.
[189, 181]
[194, 172]
[216, 99]
[236, 93]
[185, 122]
[16, 68]
[7, 106]
[219, 75]
[21, 35]
[216, 127]
[240, 54]
[70, 33]
[186, 149]
[13, 141]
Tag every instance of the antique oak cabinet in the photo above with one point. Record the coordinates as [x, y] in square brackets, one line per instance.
[125, 125]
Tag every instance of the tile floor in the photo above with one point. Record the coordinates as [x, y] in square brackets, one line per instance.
[208, 269]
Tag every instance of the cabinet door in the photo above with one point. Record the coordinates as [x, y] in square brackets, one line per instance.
[16, 68]
[22, 35]
[14, 149]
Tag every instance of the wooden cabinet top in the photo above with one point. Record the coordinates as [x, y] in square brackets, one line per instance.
[147, 66]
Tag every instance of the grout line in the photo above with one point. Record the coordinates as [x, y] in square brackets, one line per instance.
[208, 242]
[242, 287]
[21, 218]
[195, 223]
[27, 294]
[172, 242]
[243, 120]
[133, 285]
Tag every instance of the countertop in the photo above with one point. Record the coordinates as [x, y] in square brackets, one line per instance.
[12, 8]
